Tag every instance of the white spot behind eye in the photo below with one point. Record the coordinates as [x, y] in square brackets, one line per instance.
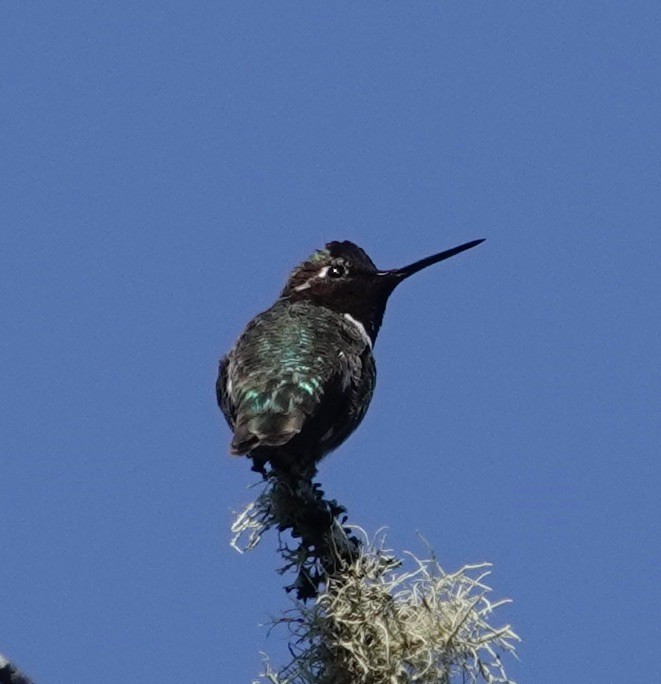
[306, 284]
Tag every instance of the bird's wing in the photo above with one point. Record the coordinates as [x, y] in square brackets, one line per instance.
[272, 386]
[356, 394]
[276, 410]
[223, 395]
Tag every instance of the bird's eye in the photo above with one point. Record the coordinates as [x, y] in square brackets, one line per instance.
[336, 271]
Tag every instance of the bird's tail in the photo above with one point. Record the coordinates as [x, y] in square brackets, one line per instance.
[267, 429]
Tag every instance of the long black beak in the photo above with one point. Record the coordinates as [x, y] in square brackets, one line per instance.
[398, 274]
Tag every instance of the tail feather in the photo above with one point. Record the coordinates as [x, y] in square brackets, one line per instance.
[268, 429]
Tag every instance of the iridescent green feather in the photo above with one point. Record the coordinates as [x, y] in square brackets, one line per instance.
[281, 368]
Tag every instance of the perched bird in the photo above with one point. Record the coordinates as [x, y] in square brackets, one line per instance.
[300, 377]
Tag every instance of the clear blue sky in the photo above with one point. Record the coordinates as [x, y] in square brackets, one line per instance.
[164, 165]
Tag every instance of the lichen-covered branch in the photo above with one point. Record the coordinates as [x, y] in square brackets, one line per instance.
[321, 545]
[375, 619]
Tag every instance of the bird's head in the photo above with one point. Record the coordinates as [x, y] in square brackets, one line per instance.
[342, 277]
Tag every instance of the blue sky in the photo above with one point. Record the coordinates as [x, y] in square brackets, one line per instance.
[165, 164]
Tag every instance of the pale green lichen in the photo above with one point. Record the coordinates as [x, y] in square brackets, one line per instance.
[381, 620]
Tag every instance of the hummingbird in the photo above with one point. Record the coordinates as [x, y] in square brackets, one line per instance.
[301, 376]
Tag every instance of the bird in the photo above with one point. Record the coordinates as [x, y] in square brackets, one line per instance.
[300, 377]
